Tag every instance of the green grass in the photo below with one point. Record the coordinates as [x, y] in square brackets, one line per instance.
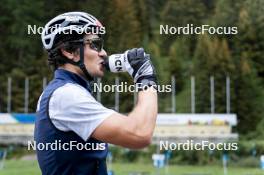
[26, 167]
[21, 167]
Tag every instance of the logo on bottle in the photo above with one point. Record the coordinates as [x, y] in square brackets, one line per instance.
[118, 63]
[115, 63]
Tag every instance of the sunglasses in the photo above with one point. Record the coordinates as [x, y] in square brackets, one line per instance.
[96, 44]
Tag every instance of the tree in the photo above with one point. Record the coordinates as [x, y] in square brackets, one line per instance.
[123, 26]
[248, 103]
[212, 58]
[21, 49]
[178, 56]
[179, 14]
[253, 33]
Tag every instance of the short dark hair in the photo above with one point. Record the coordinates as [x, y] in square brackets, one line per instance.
[56, 57]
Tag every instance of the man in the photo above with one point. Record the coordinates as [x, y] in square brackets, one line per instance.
[67, 113]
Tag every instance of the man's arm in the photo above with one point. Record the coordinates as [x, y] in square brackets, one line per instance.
[135, 130]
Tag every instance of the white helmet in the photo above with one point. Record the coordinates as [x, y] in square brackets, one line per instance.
[67, 23]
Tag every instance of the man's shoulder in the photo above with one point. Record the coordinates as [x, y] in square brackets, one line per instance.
[71, 90]
[72, 86]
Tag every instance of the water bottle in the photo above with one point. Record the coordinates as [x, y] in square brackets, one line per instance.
[116, 63]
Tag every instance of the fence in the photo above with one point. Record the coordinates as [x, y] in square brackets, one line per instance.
[173, 103]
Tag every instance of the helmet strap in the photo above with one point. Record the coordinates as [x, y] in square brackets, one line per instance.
[81, 64]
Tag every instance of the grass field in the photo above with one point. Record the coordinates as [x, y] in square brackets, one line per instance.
[29, 167]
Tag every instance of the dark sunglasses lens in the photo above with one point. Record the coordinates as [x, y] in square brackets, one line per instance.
[97, 45]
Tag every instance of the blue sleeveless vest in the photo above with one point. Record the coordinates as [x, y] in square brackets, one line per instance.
[62, 161]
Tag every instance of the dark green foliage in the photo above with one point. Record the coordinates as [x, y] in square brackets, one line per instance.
[136, 24]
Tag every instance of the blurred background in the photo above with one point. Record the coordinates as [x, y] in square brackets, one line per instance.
[217, 80]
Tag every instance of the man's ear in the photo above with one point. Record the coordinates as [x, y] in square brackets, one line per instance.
[67, 54]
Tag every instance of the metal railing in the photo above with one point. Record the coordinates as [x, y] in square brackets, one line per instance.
[98, 96]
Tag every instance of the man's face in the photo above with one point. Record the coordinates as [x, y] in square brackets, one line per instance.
[93, 59]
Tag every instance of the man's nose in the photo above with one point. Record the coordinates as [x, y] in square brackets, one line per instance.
[102, 53]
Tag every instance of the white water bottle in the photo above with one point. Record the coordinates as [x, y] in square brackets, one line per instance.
[116, 63]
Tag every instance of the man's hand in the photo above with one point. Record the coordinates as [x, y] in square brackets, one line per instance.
[139, 66]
